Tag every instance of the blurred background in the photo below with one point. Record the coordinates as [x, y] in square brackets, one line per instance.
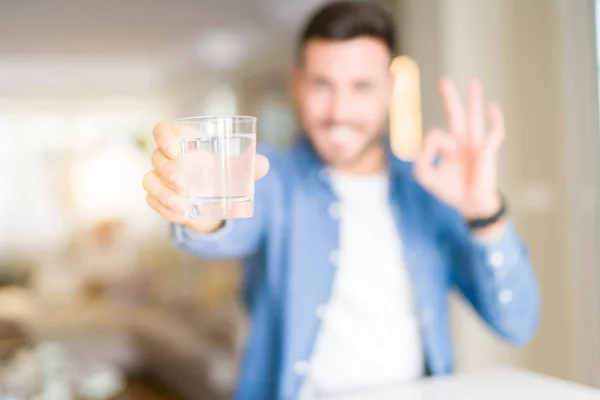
[88, 279]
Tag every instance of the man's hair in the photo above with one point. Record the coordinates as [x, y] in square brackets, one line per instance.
[345, 20]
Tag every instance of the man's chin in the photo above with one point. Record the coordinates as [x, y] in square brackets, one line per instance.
[346, 159]
[342, 161]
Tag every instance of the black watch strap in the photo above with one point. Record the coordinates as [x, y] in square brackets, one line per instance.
[483, 222]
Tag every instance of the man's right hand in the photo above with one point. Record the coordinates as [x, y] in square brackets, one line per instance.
[166, 181]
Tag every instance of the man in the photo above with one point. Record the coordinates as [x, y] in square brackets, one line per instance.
[351, 253]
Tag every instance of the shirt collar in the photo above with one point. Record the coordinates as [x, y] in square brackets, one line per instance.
[315, 168]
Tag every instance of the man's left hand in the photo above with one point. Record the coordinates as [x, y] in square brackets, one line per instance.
[459, 165]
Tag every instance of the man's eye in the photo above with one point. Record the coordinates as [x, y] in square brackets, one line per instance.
[321, 85]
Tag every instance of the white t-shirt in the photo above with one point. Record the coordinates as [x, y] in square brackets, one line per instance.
[370, 332]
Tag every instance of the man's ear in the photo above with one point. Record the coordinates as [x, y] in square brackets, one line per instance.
[390, 88]
[295, 83]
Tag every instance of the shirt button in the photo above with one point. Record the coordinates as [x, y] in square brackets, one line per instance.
[334, 210]
[505, 296]
[301, 367]
[334, 257]
[496, 259]
[320, 311]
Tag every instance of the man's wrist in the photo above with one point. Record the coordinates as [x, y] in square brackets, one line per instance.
[490, 225]
[484, 208]
[203, 227]
[490, 218]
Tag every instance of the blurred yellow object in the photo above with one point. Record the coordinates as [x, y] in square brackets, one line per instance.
[16, 303]
[406, 130]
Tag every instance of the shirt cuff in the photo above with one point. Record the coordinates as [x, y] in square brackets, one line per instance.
[182, 234]
[505, 251]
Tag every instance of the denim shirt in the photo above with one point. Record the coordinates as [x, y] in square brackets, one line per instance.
[290, 250]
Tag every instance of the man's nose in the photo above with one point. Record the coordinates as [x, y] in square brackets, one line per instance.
[340, 110]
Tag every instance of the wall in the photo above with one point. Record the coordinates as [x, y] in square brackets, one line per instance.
[518, 49]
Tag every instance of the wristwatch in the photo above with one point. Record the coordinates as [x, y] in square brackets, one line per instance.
[479, 223]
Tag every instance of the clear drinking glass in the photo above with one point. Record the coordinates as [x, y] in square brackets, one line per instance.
[217, 161]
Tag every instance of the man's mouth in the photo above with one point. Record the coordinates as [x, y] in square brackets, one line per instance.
[341, 135]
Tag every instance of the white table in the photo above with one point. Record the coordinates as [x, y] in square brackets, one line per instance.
[501, 384]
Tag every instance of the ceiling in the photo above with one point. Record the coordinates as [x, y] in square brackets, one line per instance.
[61, 46]
[136, 27]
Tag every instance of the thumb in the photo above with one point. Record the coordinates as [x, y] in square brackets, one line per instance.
[437, 143]
[261, 166]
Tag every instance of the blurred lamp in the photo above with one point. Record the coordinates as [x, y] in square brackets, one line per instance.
[107, 184]
[406, 130]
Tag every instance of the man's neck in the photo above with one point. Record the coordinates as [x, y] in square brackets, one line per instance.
[370, 162]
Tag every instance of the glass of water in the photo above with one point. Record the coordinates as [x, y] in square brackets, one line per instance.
[217, 161]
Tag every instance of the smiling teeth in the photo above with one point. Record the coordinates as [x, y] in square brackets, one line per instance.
[342, 134]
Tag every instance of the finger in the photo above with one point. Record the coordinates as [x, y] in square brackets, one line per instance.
[494, 139]
[455, 114]
[261, 166]
[163, 210]
[168, 171]
[165, 195]
[437, 143]
[165, 136]
[475, 111]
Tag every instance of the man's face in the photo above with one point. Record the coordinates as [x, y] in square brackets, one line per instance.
[343, 91]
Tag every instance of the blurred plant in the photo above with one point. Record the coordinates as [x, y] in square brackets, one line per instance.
[45, 371]
[144, 142]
